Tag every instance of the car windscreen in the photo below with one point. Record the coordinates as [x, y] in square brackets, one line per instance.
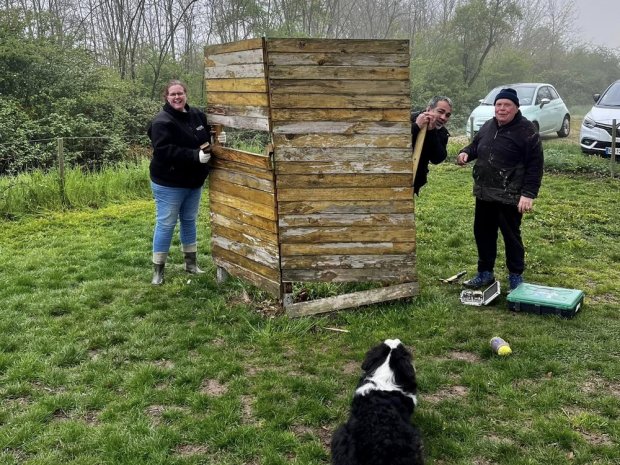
[611, 97]
[525, 94]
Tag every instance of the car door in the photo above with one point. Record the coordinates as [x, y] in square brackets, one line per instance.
[546, 117]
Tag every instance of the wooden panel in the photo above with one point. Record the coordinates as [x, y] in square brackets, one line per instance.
[334, 219]
[347, 234]
[241, 168]
[273, 287]
[264, 211]
[342, 127]
[245, 111]
[344, 167]
[305, 181]
[330, 154]
[339, 59]
[345, 46]
[241, 260]
[237, 85]
[343, 86]
[236, 71]
[353, 193]
[234, 58]
[301, 262]
[338, 140]
[336, 72]
[252, 196]
[237, 46]
[353, 248]
[339, 114]
[243, 217]
[336, 275]
[345, 207]
[339, 101]
[242, 157]
[240, 122]
[265, 257]
[243, 233]
[238, 99]
[243, 179]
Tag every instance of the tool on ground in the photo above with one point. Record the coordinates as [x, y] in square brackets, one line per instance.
[478, 297]
[453, 279]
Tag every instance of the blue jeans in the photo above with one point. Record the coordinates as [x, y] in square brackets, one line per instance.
[174, 204]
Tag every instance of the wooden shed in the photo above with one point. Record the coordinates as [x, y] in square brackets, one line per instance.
[331, 198]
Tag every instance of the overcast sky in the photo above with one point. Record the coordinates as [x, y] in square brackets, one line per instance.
[598, 22]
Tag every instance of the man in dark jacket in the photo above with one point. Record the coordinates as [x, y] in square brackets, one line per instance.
[507, 177]
[434, 150]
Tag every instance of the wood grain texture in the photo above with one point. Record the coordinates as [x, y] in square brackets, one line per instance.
[236, 46]
[345, 46]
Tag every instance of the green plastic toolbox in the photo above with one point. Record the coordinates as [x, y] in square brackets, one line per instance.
[544, 300]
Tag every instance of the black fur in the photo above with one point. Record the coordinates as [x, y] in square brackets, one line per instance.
[379, 429]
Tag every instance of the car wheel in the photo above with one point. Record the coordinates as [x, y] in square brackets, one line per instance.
[565, 129]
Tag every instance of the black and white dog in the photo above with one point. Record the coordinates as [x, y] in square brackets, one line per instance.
[379, 429]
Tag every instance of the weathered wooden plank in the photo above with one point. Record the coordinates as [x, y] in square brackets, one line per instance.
[323, 262]
[244, 262]
[268, 285]
[352, 248]
[258, 160]
[354, 299]
[240, 122]
[362, 73]
[346, 207]
[342, 127]
[236, 71]
[243, 217]
[238, 99]
[339, 275]
[264, 211]
[352, 193]
[259, 255]
[336, 219]
[236, 46]
[247, 111]
[243, 233]
[343, 86]
[237, 85]
[244, 180]
[346, 234]
[338, 140]
[345, 46]
[331, 114]
[237, 57]
[343, 167]
[338, 59]
[228, 165]
[339, 101]
[304, 181]
[252, 196]
[328, 154]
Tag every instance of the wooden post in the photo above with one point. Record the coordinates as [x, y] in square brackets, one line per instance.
[471, 129]
[61, 170]
[612, 159]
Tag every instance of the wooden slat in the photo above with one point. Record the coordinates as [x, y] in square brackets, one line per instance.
[338, 140]
[343, 167]
[339, 59]
[354, 299]
[333, 219]
[245, 158]
[352, 248]
[243, 217]
[342, 127]
[346, 234]
[346, 207]
[237, 46]
[339, 114]
[305, 181]
[252, 196]
[228, 165]
[336, 72]
[238, 99]
[237, 85]
[243, 233]
[343, 86]
[329, 154]
[264, 211]
[352, 193]
[236, 71]
[269, 285]
[234, 58]
[342, 45]
[259, 255]
[326, 262]
[245, 111]
[339, 275]
[240, 122]
[244, 262]
[243, 179]
[338, 101]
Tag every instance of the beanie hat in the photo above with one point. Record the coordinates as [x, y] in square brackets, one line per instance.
[509, 94]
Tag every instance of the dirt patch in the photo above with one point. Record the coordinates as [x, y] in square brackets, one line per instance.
[596, 385]
[167, 364]
[213, 388]
[323, 433]
[91, 418]
[351, 368]
[450, 392]
[186, 450]
[156, 412]
[464, 356]
[596, 439]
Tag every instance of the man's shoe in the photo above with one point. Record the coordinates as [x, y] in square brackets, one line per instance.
[514, 280]
[482, 279]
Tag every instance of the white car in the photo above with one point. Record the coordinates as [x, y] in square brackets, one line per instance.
[539, 102]
[596, 128]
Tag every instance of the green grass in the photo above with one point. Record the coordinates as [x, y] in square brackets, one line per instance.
[99, 367]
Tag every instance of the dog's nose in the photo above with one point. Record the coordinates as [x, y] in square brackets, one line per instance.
[392, 343]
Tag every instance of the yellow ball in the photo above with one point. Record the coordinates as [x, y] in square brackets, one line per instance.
[504, 350]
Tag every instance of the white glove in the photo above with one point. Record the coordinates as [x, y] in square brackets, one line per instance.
[221, 137]
[204, 157]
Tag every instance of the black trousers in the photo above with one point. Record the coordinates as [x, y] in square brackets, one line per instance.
[489, 218]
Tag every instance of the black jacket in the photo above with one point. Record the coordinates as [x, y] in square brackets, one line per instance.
[176, 138]
[433, 150]
[509, 161]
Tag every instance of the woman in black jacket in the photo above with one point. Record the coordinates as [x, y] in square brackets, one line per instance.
[180, 136]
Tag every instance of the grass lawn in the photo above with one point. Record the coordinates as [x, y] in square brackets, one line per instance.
[99, 367]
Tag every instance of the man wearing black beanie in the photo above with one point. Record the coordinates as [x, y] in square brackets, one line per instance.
[507, 176]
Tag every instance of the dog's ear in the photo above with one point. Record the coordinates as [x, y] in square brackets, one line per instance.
[402, 367]
[375, 357]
